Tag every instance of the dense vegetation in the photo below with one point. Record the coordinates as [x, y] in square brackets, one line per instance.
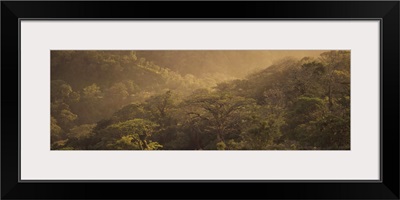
[118, 100]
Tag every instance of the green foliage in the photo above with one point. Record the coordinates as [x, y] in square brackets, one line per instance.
[132, 134]
[223, 112]
[60, 90]
[55, 130]
[121, 100]
[66, 116]
[221, 146]
[130, 111]
[92, 92]
[82, 131]
[263, 133]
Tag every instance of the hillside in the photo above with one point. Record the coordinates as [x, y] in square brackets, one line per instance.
[118, 100]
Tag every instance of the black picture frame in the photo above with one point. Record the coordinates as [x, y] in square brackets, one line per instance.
[386, 11]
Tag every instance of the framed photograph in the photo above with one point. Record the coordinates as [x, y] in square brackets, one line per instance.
[121, 99]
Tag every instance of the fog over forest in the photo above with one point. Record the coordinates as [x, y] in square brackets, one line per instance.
[200, 100]
[237, 64]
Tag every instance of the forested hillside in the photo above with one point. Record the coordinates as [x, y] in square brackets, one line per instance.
[128, 100]
[233, 63]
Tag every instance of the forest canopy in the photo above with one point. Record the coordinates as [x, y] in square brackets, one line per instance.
[200, 100]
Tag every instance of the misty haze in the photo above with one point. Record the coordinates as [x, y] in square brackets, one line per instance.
[200, 100]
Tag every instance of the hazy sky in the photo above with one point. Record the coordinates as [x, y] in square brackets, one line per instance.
[236, 63]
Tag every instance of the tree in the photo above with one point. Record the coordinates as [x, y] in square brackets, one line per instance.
[263, 129]
[66, 117]
[55, 130]
[62, 96]
[81, 131]
[312, 124]
[132, 134]
[129, 112]
[92, 92]
[160, 108]
[338, 71]
[222, 113]
[118, 92]
[117, 100]
[79, 137]
[62, 92]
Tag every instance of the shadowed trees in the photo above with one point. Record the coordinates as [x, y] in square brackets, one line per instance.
[114, 100]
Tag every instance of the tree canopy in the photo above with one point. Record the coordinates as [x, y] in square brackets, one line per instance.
[123, 100]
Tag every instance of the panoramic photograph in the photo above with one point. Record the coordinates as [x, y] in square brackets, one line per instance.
[200, 100]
